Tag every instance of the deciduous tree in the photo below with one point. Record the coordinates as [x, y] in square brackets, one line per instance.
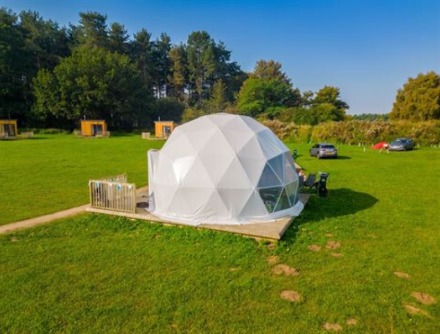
[419, 99]
[267, 91]
[259, 95]
[330, 95]
[93, 83]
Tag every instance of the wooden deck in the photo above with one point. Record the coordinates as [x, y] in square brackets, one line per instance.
[272, 230]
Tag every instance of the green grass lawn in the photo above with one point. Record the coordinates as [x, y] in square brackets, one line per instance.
[101, 274]
[50, 173]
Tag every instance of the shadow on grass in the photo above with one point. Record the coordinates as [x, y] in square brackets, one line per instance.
[340, 202]
[118, 133]
[343, 157]
[38, 137]
[24, 138]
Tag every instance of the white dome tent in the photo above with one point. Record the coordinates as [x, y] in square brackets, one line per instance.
[222, 169]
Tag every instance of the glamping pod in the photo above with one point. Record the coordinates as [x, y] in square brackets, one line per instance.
[94, 128]
[8, 128]
[222, 169]
[163, 129]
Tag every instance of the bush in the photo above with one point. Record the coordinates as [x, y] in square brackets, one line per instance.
[355, 131]
[49, 131]
[289, 131]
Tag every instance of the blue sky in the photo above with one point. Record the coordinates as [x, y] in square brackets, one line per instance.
[367, 48]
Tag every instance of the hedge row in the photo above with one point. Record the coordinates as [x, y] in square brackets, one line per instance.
[358, 132]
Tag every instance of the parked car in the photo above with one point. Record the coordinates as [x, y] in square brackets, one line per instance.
[323, 150]
[401, 144]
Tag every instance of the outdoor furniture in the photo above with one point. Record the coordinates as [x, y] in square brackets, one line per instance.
[321, 185]
[309, 183]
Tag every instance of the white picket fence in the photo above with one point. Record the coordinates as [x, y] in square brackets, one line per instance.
[113, 193]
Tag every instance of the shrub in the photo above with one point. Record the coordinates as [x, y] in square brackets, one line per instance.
[51, 131]
[356, 131]
[289, 131]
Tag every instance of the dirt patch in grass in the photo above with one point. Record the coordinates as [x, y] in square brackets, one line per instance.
[314, 248]
[273, 260]
[329, 235]
[284, 269]
[416, 311]
[332, 245]
[401, 274]
[423, 298]
[271, 246]
[291, 296]
[332, 327]
[352, 322]
[234, 269]
[337, 254]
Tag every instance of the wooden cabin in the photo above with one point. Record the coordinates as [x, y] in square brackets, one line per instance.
[163, 128]
[93, 128]
[8, 128]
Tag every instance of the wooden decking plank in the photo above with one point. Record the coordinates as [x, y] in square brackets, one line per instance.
[271, 230]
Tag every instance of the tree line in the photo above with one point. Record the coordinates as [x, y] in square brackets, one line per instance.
[52, 76]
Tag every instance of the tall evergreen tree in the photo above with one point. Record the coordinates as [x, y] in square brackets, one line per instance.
[178, 72]
[118, 38]
[201, 64]
[15, 66]
[209, 62]
[91, 31]
[217, 102]
[270, 70]
[44, 40]
[161, 65]
[141, 53]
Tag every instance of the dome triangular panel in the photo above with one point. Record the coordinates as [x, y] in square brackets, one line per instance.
[197, 176]
[254, 208]
[269, 146]
[235, 177]
[234, 200]
[268, 178]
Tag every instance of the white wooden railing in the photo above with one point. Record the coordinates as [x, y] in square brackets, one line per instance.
[113, 193]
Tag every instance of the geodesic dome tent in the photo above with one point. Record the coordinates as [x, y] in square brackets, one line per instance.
[224, 169]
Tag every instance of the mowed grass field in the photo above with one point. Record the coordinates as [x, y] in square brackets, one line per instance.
[50, 173]
[368, 256]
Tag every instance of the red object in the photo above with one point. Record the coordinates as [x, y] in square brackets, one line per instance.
[383, 145]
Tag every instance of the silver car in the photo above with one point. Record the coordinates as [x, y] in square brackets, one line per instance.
[401, 144]
[323, 150]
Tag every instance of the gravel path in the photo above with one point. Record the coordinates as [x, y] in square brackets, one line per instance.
[53, 216]
[42, 219]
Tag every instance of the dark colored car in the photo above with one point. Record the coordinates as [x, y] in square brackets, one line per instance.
[323, 150]
[401, 144]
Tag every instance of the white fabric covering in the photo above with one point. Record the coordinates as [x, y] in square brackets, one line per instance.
[222, 169]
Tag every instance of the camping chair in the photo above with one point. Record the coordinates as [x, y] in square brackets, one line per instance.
[309, 183]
